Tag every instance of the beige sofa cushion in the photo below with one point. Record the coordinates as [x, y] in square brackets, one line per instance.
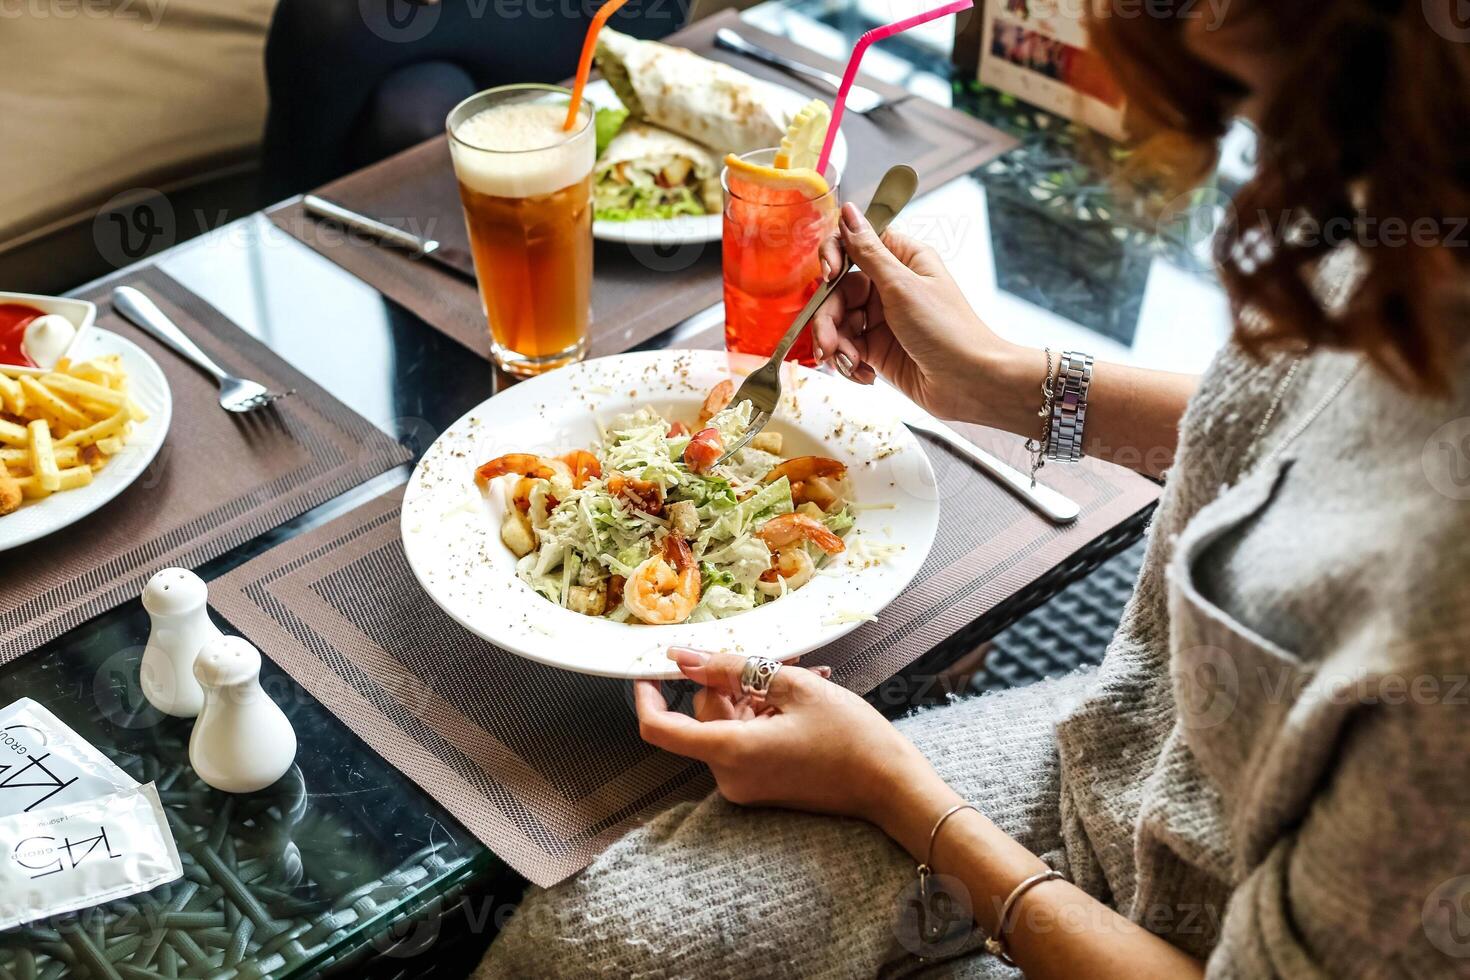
[104, 96]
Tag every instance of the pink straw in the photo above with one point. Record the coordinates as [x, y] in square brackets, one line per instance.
[876, 34]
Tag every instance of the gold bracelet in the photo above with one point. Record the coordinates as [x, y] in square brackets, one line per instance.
[927, 867]
[996, 945]
[1037, 447]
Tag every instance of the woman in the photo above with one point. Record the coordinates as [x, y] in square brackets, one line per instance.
[1266, 776]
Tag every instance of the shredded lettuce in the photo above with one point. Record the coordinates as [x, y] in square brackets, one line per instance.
[607, 122]
[636, 202]
[839, 522]
[770, 500]
[719, 602]
[585, 536]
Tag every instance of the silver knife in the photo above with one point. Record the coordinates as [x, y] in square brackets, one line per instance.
[1043, 499]
[1046, 501]
[456, 260]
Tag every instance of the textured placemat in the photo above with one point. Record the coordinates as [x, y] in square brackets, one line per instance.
[546, 766]
[219, 480]
[637, 291]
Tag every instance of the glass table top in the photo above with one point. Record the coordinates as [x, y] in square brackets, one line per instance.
[346, 845]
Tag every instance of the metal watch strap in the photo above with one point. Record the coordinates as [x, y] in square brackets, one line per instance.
[1069, 407]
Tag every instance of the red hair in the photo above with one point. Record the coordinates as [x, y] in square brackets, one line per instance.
[1362, 140]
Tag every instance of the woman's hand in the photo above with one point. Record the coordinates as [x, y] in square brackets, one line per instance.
[904, 315]
[814, 746]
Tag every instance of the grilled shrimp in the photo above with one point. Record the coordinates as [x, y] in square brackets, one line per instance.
[644, 495]
[703, 450]
[791, 565]
[788, 529]
[786, 535]
[664, 589]
[533, 498]
[814, 479]
[583, 466]
[716, 401]
[525, 464]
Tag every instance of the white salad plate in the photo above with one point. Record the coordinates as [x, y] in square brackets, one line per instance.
[451, 528]
[149, 388]
[692, 229]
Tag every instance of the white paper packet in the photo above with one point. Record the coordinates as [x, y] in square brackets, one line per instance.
[43, 763]
[63, 858]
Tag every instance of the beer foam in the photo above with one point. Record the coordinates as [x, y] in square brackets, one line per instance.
[520, 150]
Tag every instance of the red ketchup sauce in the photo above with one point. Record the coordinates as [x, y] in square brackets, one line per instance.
[13, 320]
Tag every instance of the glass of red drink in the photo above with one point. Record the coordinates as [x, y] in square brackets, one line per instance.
[772, 232]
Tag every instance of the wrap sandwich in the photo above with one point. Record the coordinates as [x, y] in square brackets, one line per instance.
[646, 172]
[675, 89]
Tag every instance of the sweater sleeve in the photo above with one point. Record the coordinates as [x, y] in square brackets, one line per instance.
[1375, 880]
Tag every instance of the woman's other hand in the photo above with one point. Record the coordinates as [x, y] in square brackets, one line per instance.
[812, 746]
[904, 316]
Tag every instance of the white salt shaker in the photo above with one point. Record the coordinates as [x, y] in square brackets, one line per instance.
[177, 602]
[242, 741]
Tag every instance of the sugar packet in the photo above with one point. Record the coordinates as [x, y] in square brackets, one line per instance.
[44, 763]
[63, 858]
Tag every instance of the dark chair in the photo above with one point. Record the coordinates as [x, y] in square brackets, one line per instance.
[353, 81]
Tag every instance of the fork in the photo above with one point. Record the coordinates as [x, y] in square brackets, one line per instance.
[762, 388]
[235, 394]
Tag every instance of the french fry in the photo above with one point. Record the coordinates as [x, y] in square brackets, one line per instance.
[69, 479]
[75, 476]
[95, 372]
[13, 435]
[21, 458]
[43, 460]
[51, 406]
[113, 425]
[12, 396]
[86, 391]
[58, 429]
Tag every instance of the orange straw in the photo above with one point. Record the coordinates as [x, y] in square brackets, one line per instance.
[584, 65]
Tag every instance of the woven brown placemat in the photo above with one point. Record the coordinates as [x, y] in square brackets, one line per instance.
[637, 291]
[218, 481]
[545, 766]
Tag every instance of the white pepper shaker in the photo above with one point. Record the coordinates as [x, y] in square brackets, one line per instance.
[177, 602]
[242, 741]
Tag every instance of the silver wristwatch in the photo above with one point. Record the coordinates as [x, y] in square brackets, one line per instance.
[1069, 407]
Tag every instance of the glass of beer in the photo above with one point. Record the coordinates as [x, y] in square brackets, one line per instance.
[526, 186]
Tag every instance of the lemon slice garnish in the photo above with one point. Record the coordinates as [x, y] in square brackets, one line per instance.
[802, 144]
[769, 185]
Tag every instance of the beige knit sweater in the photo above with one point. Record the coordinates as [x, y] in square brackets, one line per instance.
[1269, 769]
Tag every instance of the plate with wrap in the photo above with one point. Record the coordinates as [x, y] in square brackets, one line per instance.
[666, 119]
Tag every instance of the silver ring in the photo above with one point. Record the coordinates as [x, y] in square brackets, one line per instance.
[756, 677]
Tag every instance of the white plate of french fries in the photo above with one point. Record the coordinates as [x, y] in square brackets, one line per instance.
[74, 437]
